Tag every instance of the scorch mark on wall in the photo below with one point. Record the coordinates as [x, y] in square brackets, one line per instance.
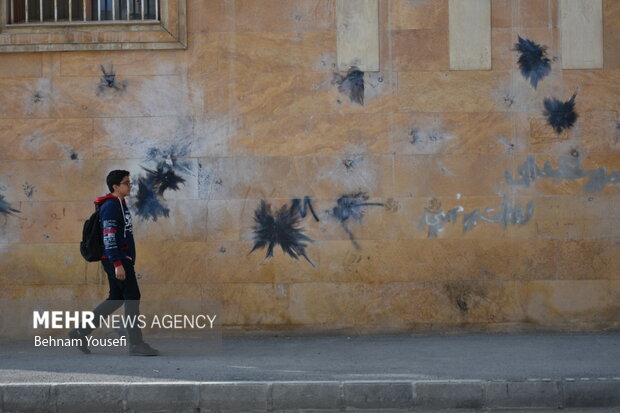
[465, 296]
[148, 204]
[351, 85]
[560, 115]
[108, 81]
[29, 190]
[533, 60]
[37, 97]
[281, 228]
[568, 168]
[5, 208]
[509, 100]
[166, 175]
[352, 206]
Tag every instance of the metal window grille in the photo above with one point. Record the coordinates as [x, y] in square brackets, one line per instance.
[61, 12]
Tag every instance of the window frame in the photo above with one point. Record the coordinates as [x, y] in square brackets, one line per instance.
[170, 32]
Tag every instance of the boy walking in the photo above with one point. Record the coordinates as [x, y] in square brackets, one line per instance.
[118, 262]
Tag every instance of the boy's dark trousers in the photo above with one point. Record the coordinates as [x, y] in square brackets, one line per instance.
[121, 291]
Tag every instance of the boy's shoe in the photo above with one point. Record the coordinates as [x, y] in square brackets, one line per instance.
[75, 334]
[142, 349]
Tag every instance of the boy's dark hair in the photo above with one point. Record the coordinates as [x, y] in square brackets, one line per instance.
[115, 177]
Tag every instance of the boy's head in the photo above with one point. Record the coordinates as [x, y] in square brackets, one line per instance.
[118, 180]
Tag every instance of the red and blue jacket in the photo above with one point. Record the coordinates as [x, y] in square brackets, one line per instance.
[117, 229]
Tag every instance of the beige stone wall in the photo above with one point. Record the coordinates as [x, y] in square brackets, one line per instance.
[254, 101]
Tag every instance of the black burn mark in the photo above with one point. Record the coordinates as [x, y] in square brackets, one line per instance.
[6, 209]
[348, 163]
[166, 175]
[108, 81]
[509, 100]
[280, 228]
[533, 61]
[163, 178]
[73, 155]
[464, 297]
[560, 115]
[352, 85]
[29, 190]
[148, 204]
[351, 207]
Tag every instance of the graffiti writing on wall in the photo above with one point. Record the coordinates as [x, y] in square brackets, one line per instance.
[568, 168]
[509, 214]
[435, 219]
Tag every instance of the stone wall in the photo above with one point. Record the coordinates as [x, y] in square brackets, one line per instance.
[489, 219]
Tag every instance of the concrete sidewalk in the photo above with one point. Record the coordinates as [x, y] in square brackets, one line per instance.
[478, 372]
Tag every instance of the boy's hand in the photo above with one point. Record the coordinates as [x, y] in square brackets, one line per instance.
[120, 272]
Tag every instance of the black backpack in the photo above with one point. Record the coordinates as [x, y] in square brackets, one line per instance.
[91, 246]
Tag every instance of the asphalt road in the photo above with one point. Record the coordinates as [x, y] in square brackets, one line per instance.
[438, 357]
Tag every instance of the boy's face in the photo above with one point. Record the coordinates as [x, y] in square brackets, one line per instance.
[124, 189]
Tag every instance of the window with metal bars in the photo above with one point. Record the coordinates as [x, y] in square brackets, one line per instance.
[62, 12]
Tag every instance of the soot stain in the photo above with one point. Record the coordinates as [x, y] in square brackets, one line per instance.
[352, 207]
[29, 190]
[166, 175]
[108, 81]
[280, 228]
[352, 85]
[37, 97]
[148, 204]
[5, 207]
[464, 297]
[560, 115]
[349, 163]
[533, 61]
